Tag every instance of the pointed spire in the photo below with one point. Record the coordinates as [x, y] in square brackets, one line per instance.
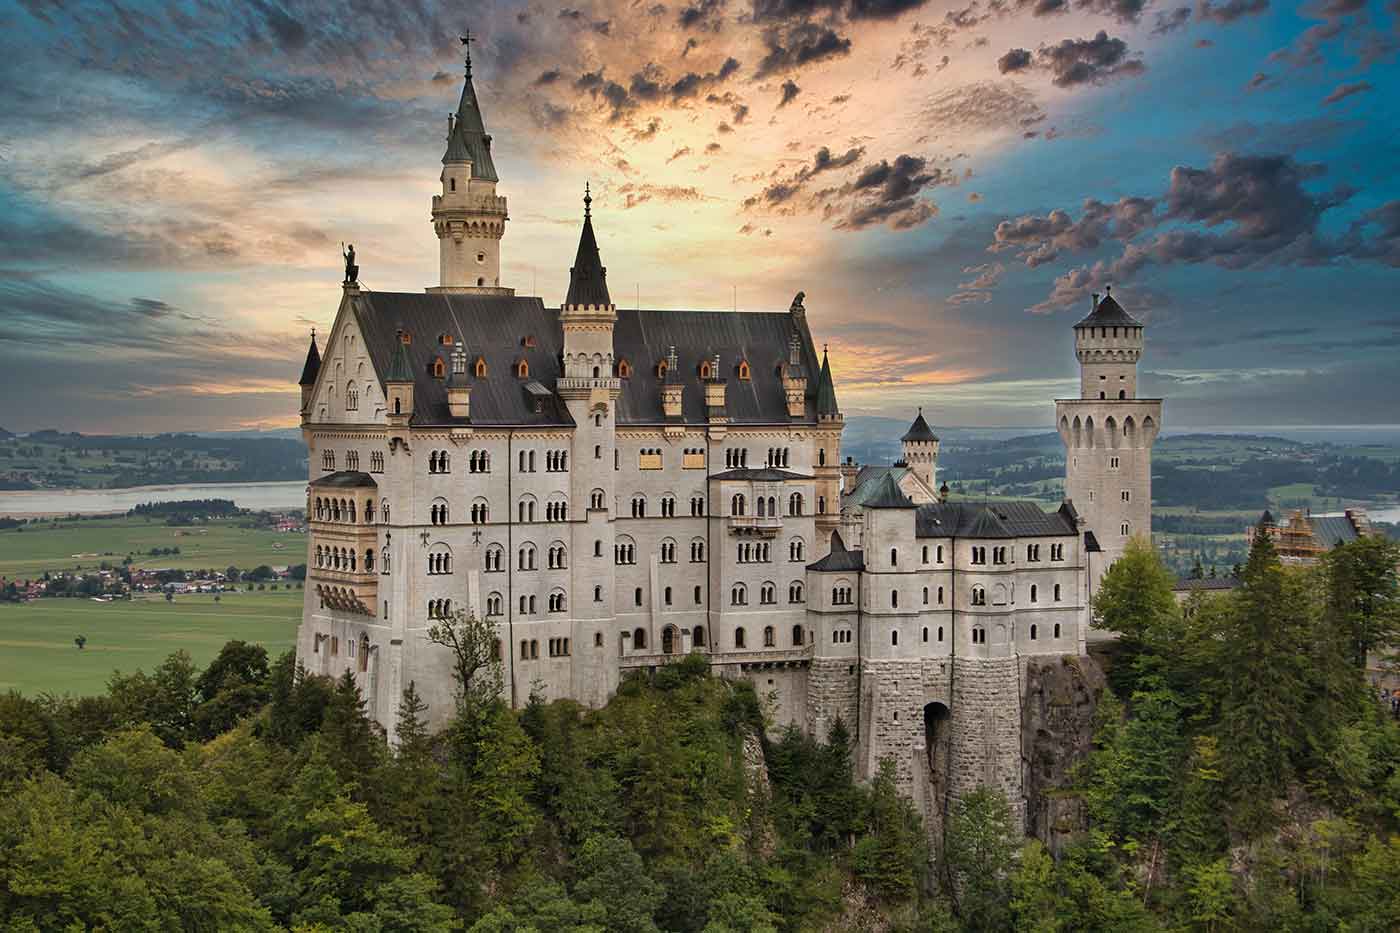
[588, 279]
[400, 369]
[919, 431]
[313, 363]
[826, 390]
[468, 140]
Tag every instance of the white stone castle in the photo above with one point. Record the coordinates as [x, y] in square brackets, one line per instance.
[617, 488]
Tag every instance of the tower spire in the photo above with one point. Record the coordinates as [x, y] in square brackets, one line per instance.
[588, 279]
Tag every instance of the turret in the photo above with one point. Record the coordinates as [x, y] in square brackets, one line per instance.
[398, 383]
[795, 379]
[309, 371]
[1108, 344]
[921, 450]
[468, 217]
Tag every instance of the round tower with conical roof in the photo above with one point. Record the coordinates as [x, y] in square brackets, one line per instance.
[1108, 433]
[921, 450]
[468, 217]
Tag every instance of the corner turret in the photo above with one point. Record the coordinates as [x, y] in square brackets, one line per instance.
[309, 371]
[921, 450]
[398, 383]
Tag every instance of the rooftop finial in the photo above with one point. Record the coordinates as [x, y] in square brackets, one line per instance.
[467, 39]
[1108, 290]
[587, 202]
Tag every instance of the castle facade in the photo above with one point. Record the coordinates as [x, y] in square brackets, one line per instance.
[615, 489]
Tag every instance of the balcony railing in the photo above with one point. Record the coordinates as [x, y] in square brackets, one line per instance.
[763, 524]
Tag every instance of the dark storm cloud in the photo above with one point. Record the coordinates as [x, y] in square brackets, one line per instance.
[790, 92]
[1074, 62]
[1240, 211]
[1230, 10]
[702, 14]
[1343, 91]
[792, 47]
[888, 192]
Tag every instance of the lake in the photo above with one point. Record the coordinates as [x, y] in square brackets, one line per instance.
[32, 502]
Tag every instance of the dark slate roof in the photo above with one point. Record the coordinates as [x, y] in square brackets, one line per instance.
[493, 327]
[826, 390]
[888, 496]
[919, 430]
[761, 475]
[468, 140]
[1091, 543]
[1267, 518]
[644, 337]
[346, 479]
[313, 364]
[840, 559]
[1332, 530]
[1108, 313]
[990, 520]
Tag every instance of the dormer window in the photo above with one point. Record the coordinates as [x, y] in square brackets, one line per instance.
[522, 369]
[445, 340]
[706, 371]
[479, 368]
[744, 373]
[405, 336]
[439, 368]
[661, 370]
[624, 369]
[528, 342]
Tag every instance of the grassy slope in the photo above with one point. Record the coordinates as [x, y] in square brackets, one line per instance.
[86, 544]
[37, 653]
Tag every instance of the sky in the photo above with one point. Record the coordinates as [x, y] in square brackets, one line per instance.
[948, 183]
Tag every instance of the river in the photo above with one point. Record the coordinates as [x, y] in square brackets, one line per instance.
[34, 502]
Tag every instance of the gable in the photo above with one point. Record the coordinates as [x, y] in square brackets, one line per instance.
[347, 390]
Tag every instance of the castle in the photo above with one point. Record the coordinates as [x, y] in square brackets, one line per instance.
[617, 488]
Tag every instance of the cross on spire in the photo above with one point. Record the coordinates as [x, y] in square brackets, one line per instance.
[467, 39]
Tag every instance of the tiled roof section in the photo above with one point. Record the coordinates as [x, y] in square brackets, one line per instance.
[840, 559]
[761, 475]
[494, 327]
[867, 482]
[887, 495]
[313, 364]
[919, 430]
[826, 390]
[468, 141]
[1108, 313]
[1332, 530]
[1018, 519]
[645, 337]
[1091, 543]
[588, 280]
[345, 479]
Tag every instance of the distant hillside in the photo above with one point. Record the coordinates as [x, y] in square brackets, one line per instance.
[64, 460]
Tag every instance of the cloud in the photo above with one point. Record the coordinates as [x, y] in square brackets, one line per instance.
[886, 192]
[548, 77]
[1168, 21]
[635, 194]
[1343, 91]
[1014, 60]
[784, 189]
[984, 105]
[1074, 62]
[683, 151]
[702, 15]
[1229, 11]
[793, 47]
[692, 83]
[985, 277]
[790, 92]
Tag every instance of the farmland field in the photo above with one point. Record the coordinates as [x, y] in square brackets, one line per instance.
[37, 653]
[68, 545]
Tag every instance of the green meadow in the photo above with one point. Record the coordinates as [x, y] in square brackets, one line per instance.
[84, 544]
[37, 652]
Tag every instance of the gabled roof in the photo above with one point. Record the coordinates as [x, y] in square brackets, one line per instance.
[1020, 519]
[826, 390]
[1108, 312]
[1267, 518]
[493, 326]
[919, 430]
[1332, 530]
[888, 495]
[346, 479]
[313, 364]
[867, 481]
[761, 475]
[840, 559]
[588, 280]
[469, 141]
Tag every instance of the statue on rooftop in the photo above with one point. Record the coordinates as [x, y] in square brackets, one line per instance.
[352, 271]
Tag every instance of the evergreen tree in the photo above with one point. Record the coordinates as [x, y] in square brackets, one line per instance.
[980, 847]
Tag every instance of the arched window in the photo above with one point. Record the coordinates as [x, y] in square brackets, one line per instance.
[479, 368]
[596, 499]
[738, 595]
[494, 556]
[768, 638]
[795, 593]
[1034, 593]
[940, 596]
[597, 594]
[744, 373]
[894, 637]
[1057, 630]
[697, 550]
[894, 599]
[522, 369]
[894, 557]
[925, 634]
[1033, 631]
[639, 638]
[799, 638]
[739, 637]
[736, 504]
[979, 596]
[1057, 592]
[925, 599]
[795, 504]
[767, 594]
[525, 557]
[697, 636]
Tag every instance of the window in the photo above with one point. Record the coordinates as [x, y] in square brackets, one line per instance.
[639, 507]
[522, 369]
[841, 596]
[1123, 529]
[376, 462]
[925, 601]
[894, 599]
[625, 551]
[894, 637]
[768, 639]
[938, 554]
[1033, 552]
[736, 504]
[794, 500]
[1113, 463]
[666, 596]
[999, 555]
[979, 635]
[439, 560]
[525, 557]
[1057, 592]
[597, 548]
[1125, 496]
[668, 506]
[1035, 593]
[439, 368]
[797, 550]
[1057, 630]
[1034, 631]
[481, 512]
[979, 596]
[744, 373]
[352, 460]
[479, 462]
[328, 460]
[924, 634]
[556, 601]
[637, 600]
[697, 506]
[739, 637]
[438, 512]
[696, 596]
[697, 637]
[894, 557]
[493, 558]
[437, 461]
[940, 596]
[795, 592]
[697, 551]
[493, 604]
[596, 500]
[558, 556]
[668, 551]
[597, 594]
[1057, 552]
[979, 555]
[556, 511]
[624, 369]
[767, 594]
[923, 555]
[479, 368]
[738, 595]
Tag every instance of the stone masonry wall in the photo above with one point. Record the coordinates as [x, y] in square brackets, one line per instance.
[831, 694]
[1061, 696]
[986, 728]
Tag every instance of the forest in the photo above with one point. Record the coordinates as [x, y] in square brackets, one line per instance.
[1244, 776]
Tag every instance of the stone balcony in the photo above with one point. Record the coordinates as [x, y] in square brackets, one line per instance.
[749, 659]
[767, 525]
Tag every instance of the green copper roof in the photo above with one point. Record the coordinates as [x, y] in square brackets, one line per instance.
[826, 390]
[888, 495]
[469, 141]
[399, 368]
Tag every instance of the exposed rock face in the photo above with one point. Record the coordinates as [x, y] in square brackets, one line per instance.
[1057, 715]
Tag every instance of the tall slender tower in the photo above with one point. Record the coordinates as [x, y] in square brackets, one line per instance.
[1108, 433]
[468, 217]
